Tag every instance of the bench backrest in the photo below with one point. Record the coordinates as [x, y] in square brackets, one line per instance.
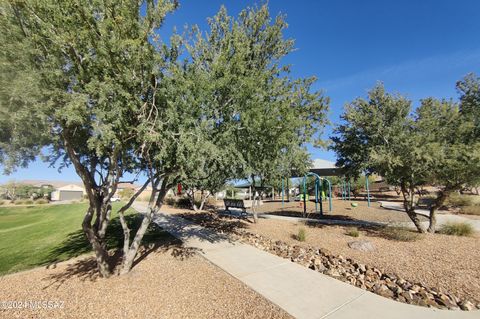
[236, 203]
[426, 202]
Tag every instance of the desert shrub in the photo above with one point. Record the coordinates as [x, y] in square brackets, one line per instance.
[471, 210]
[183, 202]
[28, 202]
[457, 229]
[170, 201]
[301, 235]
[18, 202]
[400, 234]
[2, 202]
[353, 232]
[41, 201]
[459, 200]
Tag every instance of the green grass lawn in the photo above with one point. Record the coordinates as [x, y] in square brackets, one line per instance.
[39, 235]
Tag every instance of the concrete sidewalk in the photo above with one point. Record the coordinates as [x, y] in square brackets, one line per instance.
[342, 222]
[441, 218]
[300, 291]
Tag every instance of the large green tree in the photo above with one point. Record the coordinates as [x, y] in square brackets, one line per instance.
[88, 70]
[431, 146]
[271, 115]
[376, 137]
[109, 98]
[449, 132]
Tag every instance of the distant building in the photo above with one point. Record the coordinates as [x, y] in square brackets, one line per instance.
[68, 192]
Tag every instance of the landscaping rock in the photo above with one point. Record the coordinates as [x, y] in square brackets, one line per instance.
[444, 300]
[466, 305]
[361, 268]
[360, 275]
[362, 245]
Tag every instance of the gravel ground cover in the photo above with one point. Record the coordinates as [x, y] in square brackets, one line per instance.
[448, 263]
[341, 210]
[170, 282]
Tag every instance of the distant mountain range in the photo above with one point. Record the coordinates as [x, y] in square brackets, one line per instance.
[40, 182]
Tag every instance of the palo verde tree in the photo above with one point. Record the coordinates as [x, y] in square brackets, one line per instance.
[93, 65]
[272, 115]
[429, 147]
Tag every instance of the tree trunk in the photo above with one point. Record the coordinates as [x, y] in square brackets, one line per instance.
[414, 217]
[154, 206]
[254, 192]
[408, 204]
[99, 202]
[191, 198]
[129, 257]
[123, 221]
[97, 241]
[288, 189]
[439, 201]
[204, 199]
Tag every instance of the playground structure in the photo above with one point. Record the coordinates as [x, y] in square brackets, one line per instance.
[323, 186]
[318, 190]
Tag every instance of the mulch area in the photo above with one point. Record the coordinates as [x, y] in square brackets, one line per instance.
[170, 282]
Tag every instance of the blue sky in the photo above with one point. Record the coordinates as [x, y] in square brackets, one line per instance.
[417, 48]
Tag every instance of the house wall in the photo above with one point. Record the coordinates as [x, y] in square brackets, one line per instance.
[70, 195]
[68, 192]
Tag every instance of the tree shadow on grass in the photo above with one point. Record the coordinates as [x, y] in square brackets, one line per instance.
[76, 244]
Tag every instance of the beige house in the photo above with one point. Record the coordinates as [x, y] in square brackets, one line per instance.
[68, 192]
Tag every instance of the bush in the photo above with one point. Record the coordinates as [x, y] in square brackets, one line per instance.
[41, 201]
[170, 201]
[301, 235]
[18, 202]
[2, 202]
[183, 202]
[459, 200]
[400, 234]
[28, 202]
[471, 210]
[353, 232]
[457, 229]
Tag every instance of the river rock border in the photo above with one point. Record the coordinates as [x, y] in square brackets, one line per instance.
[345, 269]
[360, 275]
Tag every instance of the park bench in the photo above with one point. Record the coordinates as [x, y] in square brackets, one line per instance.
[234, 203]
[426, 202]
